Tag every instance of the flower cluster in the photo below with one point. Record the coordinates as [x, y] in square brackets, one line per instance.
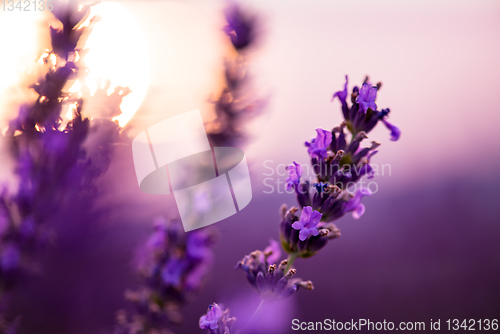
[339, 163]
[172, 265]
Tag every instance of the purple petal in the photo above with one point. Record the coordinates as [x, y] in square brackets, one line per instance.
[304, 233]
[395, 132]
[275, 249]
[298, 225]
[342, 94]
[315, 217]
[359, 211]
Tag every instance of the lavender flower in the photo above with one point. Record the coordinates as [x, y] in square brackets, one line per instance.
[271, 281]
[209, 321]
[367, 96]
[309, 219]
[217, 321]
[172, 265]
[56, 160]
[338, 163]
[303, 247]
[363, 114]
[294, 173]
[240, 27]
[273, 252]
[318, 146]
[354, 204]
[237, 103]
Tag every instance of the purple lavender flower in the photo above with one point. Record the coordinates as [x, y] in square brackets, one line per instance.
[363, 114]
[272, 282]
[308, 247]
[209, 321]
[294, 174]
[172, 271]
[272, 252]
[240, 27]
[320, 186]
[237, 103]
[317, 148]
[354, 205]
[217, 321]
[367, 96]
[173, 264]
[309, 219]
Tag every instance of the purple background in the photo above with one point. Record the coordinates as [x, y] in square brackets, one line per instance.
[427, 247]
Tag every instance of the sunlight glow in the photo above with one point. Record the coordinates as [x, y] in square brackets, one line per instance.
[118, 52]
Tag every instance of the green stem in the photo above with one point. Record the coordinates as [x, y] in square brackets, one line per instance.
[291, 260]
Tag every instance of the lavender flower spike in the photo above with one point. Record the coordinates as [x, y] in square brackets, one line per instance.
[294, 174]
[318, 146]
[309, 219]
[354, 205]
[367, 96]
[209, 321]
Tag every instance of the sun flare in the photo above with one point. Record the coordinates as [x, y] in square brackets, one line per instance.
[118, 52]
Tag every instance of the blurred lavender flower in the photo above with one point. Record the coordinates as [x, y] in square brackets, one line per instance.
[238, 103]
[272, 282]
[172, 265]
[240, 27]
[217, 321]
[57, 158]
[294, 173]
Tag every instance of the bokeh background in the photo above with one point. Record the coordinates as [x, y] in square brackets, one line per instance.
[427, 246]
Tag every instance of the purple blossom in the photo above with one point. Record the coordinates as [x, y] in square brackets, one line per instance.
[354, 205]
[209, 321]
[173, 270]
[239, 27]
[309, 219]
[367, 96]
[271, 281]
[317, 148]
[342, 94]
[272, 253]
[217, 320]
[311, 245]
[395, 132]
[294, 174]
